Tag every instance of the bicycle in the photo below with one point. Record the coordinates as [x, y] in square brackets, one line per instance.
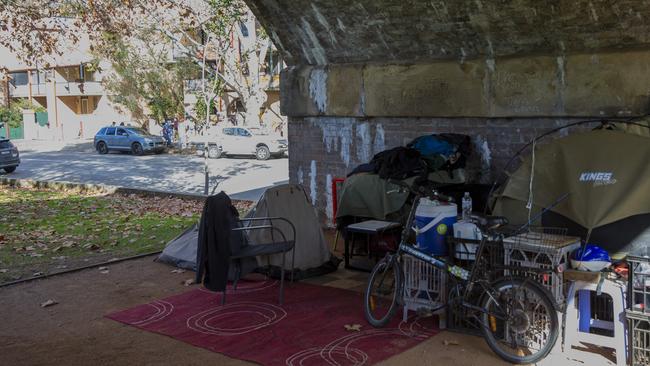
[516, 315]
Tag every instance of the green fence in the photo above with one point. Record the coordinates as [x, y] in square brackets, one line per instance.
[14, 133]
[17, 133]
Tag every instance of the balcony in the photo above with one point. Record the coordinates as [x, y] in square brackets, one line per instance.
[22, 91]
[62, 89]
[78, 88]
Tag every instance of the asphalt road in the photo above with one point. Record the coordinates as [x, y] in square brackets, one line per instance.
[241, 178]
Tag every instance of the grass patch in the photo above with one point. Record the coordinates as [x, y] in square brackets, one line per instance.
[45, 231]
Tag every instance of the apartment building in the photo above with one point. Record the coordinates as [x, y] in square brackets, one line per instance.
[70, 91]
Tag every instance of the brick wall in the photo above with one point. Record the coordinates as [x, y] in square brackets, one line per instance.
[322, 146]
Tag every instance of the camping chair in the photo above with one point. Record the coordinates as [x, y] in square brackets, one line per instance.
[264, 249]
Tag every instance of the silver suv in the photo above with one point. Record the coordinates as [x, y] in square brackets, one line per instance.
[9, 156]
[127, 138]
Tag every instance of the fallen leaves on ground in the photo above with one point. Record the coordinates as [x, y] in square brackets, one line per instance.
[42, 229]
[352, 327]
[49, 302]
[188, 282]
[448, 342]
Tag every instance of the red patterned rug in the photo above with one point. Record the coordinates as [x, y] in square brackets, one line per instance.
[309, 329]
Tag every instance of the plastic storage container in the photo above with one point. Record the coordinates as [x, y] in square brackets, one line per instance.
[466, 230]
[434, 221]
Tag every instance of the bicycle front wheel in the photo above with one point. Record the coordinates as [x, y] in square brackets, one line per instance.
[520, 323]
[383, 292]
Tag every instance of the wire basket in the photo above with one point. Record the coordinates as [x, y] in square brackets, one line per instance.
[490, 266]
[542, 253]
[639, 338]
[542, 239]
[424, 285]
[638, 285]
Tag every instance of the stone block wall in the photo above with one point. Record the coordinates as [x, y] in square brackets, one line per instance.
[323, 148]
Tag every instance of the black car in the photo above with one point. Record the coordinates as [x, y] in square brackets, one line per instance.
[9, 156]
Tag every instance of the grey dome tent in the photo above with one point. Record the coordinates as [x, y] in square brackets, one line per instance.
[606, 174]
[181, 251]
[289, 201]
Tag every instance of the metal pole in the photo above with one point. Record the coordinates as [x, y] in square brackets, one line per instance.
[206, 146]
[206, 191]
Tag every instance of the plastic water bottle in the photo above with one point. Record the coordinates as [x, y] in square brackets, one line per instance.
[467, 206]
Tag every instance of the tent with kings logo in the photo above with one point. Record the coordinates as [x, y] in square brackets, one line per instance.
[605, 175]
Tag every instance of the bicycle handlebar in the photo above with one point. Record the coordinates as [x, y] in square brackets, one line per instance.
[421, 191]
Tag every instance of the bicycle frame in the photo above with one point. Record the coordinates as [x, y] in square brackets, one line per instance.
[498, 300]
[465, 278]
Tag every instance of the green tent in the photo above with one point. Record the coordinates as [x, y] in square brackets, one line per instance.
[606, 174]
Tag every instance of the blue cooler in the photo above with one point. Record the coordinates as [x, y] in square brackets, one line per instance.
[434, 221]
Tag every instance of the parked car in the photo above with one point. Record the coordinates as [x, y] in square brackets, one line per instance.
[9, 156]
[207, 143]
[127, 138]
[235, 140]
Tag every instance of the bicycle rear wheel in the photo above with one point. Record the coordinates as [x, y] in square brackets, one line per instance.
[521, 323]
[383, 292]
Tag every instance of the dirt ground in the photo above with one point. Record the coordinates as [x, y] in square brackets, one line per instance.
[75, 332]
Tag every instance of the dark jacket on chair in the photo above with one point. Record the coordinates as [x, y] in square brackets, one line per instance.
[216, 241]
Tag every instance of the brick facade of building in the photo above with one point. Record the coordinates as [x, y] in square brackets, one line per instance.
[322, 148]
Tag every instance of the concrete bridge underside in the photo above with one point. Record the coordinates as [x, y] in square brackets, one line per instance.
[367, 75]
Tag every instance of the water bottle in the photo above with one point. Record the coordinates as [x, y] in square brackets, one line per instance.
[467, 206]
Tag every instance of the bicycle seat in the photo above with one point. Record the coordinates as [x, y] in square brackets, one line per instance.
[486, 223]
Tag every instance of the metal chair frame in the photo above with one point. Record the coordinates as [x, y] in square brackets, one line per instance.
[273, 229]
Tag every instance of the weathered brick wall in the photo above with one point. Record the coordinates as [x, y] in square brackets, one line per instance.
[322, 148]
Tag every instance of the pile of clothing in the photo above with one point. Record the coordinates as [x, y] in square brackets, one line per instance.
[425, 154]
[439, 159]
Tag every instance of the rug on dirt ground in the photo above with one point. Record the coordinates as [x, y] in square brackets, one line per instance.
[309, 329]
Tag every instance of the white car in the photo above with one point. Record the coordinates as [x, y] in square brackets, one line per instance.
[236, 140]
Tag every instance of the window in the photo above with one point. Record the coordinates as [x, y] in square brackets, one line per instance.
[5, 145]
[84, 105]
[229, 131]
[244, 29]
[86, 72]
[19, 78]
[110, 131]
[138, 131]
[102, 131]
[122, 132]
[243, 132]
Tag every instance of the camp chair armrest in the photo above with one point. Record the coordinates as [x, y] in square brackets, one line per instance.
[253, 228]
[270, 226]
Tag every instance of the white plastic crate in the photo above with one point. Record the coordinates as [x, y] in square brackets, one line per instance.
[542, 248]
[424, 287]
